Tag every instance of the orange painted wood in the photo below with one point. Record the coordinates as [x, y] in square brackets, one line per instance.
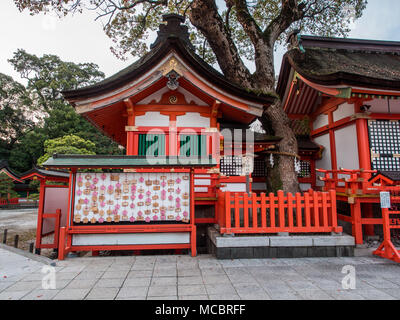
[387, 249]
[286, 204]
[263, 201]
[324, 209]
[254, 209]
[281, 209]
[246, 210]
[236, 207]
[290, 209]
[61, 244]
[228, 209]
[307, 210]
[298, 209]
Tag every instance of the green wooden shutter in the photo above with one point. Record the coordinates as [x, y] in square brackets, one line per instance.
[151, 144]
[193, 145]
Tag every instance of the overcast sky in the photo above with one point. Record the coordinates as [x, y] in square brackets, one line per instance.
[80, 39]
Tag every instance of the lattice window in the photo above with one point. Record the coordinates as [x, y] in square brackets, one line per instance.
[305, 169]
[384, 139]
[259, 169]
[231, 165]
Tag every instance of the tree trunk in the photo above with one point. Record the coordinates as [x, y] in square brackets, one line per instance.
[283, 175]
[205, 17]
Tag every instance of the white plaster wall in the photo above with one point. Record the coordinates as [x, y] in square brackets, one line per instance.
[154, 96]
[192, 119]
[347, 147]
[191, 98]
[234, 187]
[381, 106]
[55, 198]
[152, 119]
[305, 186]
[320, 121]
[343, 111]
[130, 238]
[258, 186]
[325, 162]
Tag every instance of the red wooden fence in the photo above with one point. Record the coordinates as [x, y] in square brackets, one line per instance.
[300, 213]
[4, 202]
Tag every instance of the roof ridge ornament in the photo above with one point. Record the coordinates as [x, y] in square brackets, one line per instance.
[172, 82]
[294, 40]
[174, 28]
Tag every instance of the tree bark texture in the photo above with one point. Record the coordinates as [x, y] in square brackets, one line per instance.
[205, 17]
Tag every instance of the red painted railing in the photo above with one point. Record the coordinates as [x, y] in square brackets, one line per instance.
[4, 202]
[391, 220]
[300, 213]
[353, 182]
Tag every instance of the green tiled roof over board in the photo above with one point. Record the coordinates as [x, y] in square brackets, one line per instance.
[106, 161]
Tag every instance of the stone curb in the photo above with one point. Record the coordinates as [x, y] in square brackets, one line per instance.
[29, 255]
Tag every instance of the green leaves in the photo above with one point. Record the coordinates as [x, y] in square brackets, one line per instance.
[38, 112]
[6, 187]
[69, 144]
[48, 76]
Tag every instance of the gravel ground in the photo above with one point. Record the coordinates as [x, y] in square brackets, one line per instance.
[19, 221]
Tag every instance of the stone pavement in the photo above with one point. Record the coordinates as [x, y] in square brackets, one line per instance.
[202, 278]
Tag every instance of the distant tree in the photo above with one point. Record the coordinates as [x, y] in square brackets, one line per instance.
[48, 76]
[6, 187]
[15, 113]
[69, 144]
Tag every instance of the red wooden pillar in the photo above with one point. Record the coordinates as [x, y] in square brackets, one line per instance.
[356, 221]
[193, 243]
[364, 157]
[130, 135]
[71, 192]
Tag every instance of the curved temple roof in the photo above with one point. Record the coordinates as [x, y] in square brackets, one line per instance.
[171, 37]
[336, 61]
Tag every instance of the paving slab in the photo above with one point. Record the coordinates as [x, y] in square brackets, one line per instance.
[160, 291]
[200, 278]
[102, 293]
[41, 294]
[71, 294]
[191, 290]
[190, 280]
[137, 282]
[133, 292]
[109, 283]
[197, 297]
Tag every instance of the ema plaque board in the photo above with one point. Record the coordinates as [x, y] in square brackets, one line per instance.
[131, 197]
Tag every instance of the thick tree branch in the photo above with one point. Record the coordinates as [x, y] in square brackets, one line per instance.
[291, 12]
[205, 17]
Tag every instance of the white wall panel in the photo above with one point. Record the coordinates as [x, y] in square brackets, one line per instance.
[325, 162]
[152, 119]
[192, 119]
[55, 198]
[347, 147]
[234, 187]
[320, 121]
[343, 111]
[381, 106]
[130, 238]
